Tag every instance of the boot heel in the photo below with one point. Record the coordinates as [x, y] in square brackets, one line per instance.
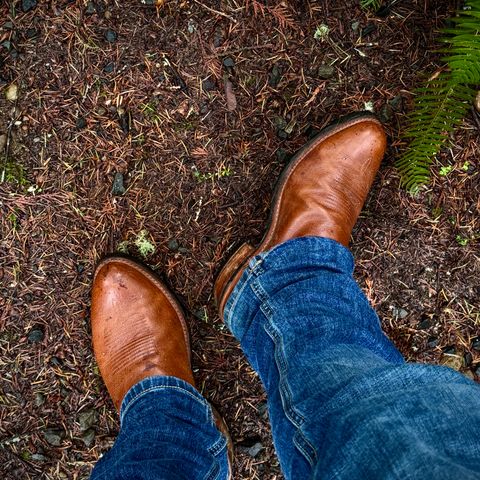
[228, 273]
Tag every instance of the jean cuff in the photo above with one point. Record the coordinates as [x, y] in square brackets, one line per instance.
[152, 385]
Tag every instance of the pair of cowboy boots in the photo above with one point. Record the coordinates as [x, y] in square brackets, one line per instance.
[138, 326]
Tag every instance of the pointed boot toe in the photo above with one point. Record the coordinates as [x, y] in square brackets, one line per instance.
[138, 327]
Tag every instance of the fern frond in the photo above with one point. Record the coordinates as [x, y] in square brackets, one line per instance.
[439, 109]
[463, 51]
[442, 104]
[373, 4]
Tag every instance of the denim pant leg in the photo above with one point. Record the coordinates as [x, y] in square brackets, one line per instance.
[167, 433]
[342, 402]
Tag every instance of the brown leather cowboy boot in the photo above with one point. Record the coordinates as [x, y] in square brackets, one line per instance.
[139, 331]
[138, 327]
[321, 192]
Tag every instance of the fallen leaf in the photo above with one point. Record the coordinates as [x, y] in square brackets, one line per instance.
[231, 99]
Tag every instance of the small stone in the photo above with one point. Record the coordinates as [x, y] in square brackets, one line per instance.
[81, 123]
[399, 313]
[183, 250]
[28, 5]
[254, 450]
[432, 342]
[396, 103]
[282, 155]
[118, 187]
[476, 344]
[38, 457]
[275, 76]
[56, 361]
[208, 85]
[384, 11]
[39, 399]
[8, 25]
[452, 361]
[228, 62]
[325, 71]
[467, 359]
[36, 335]
[280, 124]
[124, 120]
[54, 436]
[262, 409]
[370, 28]
[355, 26]
[90, 10]
[111, 36]
[424, 324]
[201, 314]
[173, 245]
[101, 111]
[109, 67]
[386, 113]
[31, 33]
[88, 437]
[449, 350]
[192, 26]
[87, 419]
[99, 7]
[3, 141]
[80, 268]
[218, 38]
[11, 93]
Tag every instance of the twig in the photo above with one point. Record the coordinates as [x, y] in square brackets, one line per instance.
[7, 144]
[215, 11]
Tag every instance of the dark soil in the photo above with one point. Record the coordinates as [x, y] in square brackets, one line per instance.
[198, 106]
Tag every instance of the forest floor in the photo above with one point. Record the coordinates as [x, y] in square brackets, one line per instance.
[162, 133]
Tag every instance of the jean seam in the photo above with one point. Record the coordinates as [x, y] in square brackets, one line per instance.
[253, 271]
[137, 396]
[296, 418]
[215, 450]
[236, 299]
[285, 393]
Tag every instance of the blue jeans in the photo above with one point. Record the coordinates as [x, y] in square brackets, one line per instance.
[342, 402]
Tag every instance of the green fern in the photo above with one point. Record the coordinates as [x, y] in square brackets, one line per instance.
[373, 4]
[442, 104]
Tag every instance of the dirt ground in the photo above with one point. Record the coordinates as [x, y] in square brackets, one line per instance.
[189, 113]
